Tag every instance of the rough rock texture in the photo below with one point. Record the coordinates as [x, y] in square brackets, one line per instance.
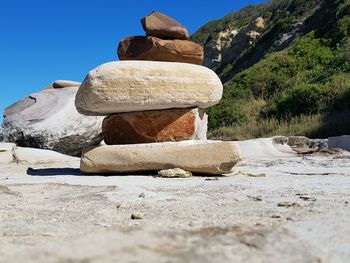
[301, 142]
[155, 126]
[1, 134]
[174, 173]
[208, 157]
[162, 26]
[58, 84]
[156, 49]
[48, 120]
[342, 142]
[294, 141]
[6, 152]
[288, 38]
[230, 43]
[126, 86]
[298, 212]
[12, 154]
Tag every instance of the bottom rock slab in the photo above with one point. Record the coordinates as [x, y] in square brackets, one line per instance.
[207, 157]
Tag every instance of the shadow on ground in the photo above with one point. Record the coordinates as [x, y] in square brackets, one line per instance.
[54, 172]
[77, 172]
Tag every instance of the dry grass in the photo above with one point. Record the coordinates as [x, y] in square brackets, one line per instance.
[313, 126]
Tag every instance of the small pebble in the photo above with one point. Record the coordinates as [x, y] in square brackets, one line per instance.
[301, 194]
[255, 198]
[212, 179]
[288, 204]
[136, 216]
[275, 216]
[307, 198]
[174, 173]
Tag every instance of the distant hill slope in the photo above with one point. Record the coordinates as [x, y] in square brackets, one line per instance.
[285, 66]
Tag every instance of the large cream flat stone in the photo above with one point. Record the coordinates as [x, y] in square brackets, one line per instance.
[209, 157]
[127, 86]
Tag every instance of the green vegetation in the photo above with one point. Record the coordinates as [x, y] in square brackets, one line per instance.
[313, 126]
[303, 89]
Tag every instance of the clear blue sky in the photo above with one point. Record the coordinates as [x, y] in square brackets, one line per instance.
[45, 40]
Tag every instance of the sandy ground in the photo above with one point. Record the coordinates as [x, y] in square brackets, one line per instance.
[274, 207]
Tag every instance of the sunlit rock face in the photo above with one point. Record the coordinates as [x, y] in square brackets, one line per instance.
[49, 120]
[231, 42]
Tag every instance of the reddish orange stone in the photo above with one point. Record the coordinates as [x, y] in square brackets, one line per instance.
[156, 49]
[155, 126]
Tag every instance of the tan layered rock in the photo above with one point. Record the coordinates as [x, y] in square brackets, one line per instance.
[159, 25]
[208, 157]
[155, 126]
[231, 43]
[156, 49]
[127, 86]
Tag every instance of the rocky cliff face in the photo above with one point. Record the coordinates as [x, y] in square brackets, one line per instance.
[231, 43]
[279, 61]
[242, 38]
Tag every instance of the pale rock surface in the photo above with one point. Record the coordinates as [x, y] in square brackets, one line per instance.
[253, 35]
[208, 157]
[38, 156]
[48, 120]
[260, 23]
[287, 38]
[10, 153]
[51, 213]
[265, 148]
[6, 152]
[126, 86]
[341, 142]
[231, 42]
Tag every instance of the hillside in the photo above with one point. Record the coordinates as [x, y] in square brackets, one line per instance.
[285, 66]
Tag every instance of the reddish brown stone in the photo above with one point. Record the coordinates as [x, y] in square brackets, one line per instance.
[160, 25]
[155, 126]
[156, 49]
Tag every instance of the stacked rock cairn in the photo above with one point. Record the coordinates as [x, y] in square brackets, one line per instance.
[153, 99]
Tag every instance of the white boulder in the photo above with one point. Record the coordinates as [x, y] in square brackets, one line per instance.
[49, 120]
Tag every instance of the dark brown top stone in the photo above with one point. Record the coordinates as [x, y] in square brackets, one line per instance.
[162, 26]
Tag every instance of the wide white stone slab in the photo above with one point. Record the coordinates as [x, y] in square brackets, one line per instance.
[126, 86]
